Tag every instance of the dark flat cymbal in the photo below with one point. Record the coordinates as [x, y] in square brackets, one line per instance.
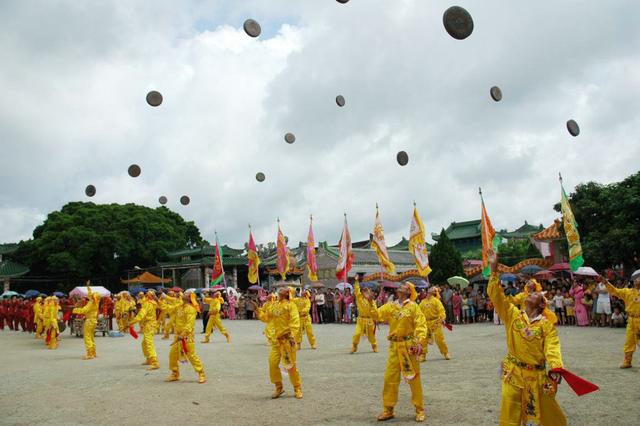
[496, 93]
[458, 22]
[289, 138]
[252, 28]
[184, 200]
[90, 190]
[154, 98]
[402, 158]
[343, 1]
[573, 128]
[134, 170]
[340, 100]
[260, 177]
[162, 200]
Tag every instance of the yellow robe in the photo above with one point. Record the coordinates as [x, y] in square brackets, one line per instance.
[214, 320]
[269, 329]
[185, 320]
[50, 322]
[38, 319]
[148, 325]
[631, 298]
[303, 304]
[90, 312]
[528, 395]
[285, 320]
[407, 327]
[366, 322]
[434, 314]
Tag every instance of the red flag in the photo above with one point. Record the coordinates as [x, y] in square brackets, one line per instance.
[312, 266]
[283, 254]
[218, 271]
[132, 332]
[579, 385]
[254, 260]
[449, 326]
[345, 262]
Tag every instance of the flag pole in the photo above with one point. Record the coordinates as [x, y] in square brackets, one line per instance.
[256, 253]
[381, 268]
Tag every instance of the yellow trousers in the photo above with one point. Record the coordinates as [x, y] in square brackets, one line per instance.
[632, 337]
[367, 327]
[168, 326]
[306, 327]
[148, 345]
[39, 328]
[53, 340]
[275, 356]
[89, 331]
[392, 380]
[214, 322]
[511, 409]
[177, 351]
[436, 335]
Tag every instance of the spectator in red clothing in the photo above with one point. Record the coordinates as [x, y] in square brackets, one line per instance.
[3, 314]
[456, 300]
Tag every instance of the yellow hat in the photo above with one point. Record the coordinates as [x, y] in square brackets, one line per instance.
[292, 293]
[414, 294]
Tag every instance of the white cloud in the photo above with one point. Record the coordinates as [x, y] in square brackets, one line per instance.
[74, 80]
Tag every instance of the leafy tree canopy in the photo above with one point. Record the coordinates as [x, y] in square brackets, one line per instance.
[445, 260]
[85, 240]
[608, 219]
[514, 251]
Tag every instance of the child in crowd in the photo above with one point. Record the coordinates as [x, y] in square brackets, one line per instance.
[568, 304]
[465, 308]
[617, 319]
[558, 303]
[456, 301]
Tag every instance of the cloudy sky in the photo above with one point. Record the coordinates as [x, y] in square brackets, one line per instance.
[75, 74]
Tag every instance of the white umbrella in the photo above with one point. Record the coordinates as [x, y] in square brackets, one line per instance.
[84, 291]
[635, 275]
[342, 285]
[586, 271]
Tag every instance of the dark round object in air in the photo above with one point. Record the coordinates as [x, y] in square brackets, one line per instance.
[90, 190]
[134, 170]
[289, 138]
[162, 200]
[252, 28]
[573, 128]
[184, 200]
[496, 93]
[260, 177]
[343, 1]
[154, 98]
[403, 158]
[340, 100]
[458, 22]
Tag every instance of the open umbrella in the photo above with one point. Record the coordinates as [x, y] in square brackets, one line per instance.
[317, 284]
[218, 287]
[341, 286]
[31, 293]
[560, 267]
[544, 275]
[421, 284]
[635, 275]
[254, 288]
[508, 277]
[176, 289]
[8, 294]
[390, 284]
[373, 285]
[586, 271]
[59, 294]
[463, 282]
[530, 269]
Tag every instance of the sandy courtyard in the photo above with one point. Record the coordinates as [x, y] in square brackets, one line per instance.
[39, 386]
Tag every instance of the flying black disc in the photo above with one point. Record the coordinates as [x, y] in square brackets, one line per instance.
[496, 93]
[134, 170]
[403, 158]
[90, 190]
[573, 128]
[252, 28]
[184, 200]
[289, 138]
[154, 98]
[458, 22]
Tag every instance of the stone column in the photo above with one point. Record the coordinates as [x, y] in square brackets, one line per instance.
[235, 277]
[7, 286]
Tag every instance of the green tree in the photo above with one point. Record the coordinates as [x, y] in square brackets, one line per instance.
[86, 240]
[445, 260]
[608, 219]
[514, 251]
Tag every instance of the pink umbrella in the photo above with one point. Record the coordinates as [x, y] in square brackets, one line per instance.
[217, 288]
[544, 275]
[560, 267]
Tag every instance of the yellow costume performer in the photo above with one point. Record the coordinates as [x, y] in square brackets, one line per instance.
[214, 321]
[303, 304]
[37, 317]
[530, 287]
[435, 315]
[170, 302]
[183, 343]
[147, 319]
[283, 314]
[269, 329]
[90, 312]
[407, 335]
[366, 322]
[528, 393]
[631, 298]
[50, 321]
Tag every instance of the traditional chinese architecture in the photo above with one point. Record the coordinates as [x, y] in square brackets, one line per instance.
[522, 233]
[550, 242]
[8, 268]
[465, 236]
[146, 279]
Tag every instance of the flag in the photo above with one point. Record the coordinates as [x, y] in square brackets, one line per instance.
[345, 262]
[571, 230]
[283, 254]
[254, 260]
[490, 241]
[417, 244]
[380, 246]
[218, 270]
[312, 266]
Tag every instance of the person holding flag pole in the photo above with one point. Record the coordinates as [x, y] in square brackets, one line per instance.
[215, 302]
[303, 303]
[253, 259]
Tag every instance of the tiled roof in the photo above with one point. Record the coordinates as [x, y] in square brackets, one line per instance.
[459, 230]
[9, 269]
[8, 248]
[551, 233]
[207, 250]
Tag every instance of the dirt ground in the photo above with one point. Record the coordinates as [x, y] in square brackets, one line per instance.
[39, 386]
